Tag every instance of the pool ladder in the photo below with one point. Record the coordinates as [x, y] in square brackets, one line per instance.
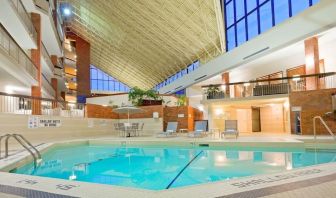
[25, 144]
[324, 124]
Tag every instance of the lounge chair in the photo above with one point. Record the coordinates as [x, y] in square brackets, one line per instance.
[231, 128]
[170, 130]
[200, 129]
[140, 129]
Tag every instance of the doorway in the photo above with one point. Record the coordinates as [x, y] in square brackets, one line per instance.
[256, 125]
[297, 122]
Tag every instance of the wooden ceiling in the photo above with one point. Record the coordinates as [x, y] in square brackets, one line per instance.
[142, 42]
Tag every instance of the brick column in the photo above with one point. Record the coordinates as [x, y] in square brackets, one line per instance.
[312, 62]
[63, 95]
[54, 81]
[226, 80]
[83, 69]
[36, 59]
[54, 84]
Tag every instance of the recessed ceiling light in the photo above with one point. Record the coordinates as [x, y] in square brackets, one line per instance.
[66, 11]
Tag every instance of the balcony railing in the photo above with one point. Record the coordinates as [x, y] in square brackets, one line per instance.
[47, 58]
[269, 86]
[26, 105]
[59, 73]
[12, 49]
[47, 86]
[25, 17]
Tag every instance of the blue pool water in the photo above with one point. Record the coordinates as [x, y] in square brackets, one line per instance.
[161, 168]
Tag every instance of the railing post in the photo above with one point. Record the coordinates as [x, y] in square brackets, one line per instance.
[314, 125]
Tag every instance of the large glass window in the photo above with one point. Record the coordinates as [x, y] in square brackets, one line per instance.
[190, 68]
[101, 81]
[245, 19]
[282, 10]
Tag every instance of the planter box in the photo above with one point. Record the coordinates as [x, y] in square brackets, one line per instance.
[151, 102]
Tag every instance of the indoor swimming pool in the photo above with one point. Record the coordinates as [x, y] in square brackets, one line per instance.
[158, 168]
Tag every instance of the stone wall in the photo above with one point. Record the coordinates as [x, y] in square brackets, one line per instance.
[312, 103]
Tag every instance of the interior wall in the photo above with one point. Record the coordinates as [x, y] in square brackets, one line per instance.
[280, 61]
[312, 103]
[71, 128]
[327, 49]
[244, 117]
[287, 58]
[184, 115]
[272, 118]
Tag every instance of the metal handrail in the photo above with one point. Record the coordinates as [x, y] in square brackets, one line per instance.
[23, 142]
[27, 142]
[324, 124]
[1, 137]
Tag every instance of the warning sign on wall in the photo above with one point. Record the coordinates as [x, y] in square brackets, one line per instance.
[49, 123]
[33, 122]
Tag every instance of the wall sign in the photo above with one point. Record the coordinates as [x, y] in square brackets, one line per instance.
[180, 115]
[296, 108]
[49, 123]
[33, 122]
[155, 114]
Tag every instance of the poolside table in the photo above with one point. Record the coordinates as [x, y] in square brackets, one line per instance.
[183, 130]
[213, 132]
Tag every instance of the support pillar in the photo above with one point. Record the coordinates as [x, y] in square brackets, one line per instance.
[63, 95]
[54, 84]
[36, 59]
[83, 69]
[226, 80]
[312, 62]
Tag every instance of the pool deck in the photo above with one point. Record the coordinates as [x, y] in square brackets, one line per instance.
[313, 181]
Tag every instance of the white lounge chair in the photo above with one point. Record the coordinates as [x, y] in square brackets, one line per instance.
[200, 129]
[170, 130]
[231, 128]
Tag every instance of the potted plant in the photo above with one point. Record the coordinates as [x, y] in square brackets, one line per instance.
[136, 95]
[151, 98]
[140, 97]
[213, 92]
[182, 100]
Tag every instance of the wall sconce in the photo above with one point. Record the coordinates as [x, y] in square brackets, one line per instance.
[155, 115]
[219, 112]
[296, 78]
[223, 87]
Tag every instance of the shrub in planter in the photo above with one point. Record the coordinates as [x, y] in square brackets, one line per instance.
[140, 97]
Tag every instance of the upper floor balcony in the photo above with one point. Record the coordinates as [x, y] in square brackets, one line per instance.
[47, 65]
[17, 21]
[15, 60]
[268, 87]
[47, 89]
[52, 32]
